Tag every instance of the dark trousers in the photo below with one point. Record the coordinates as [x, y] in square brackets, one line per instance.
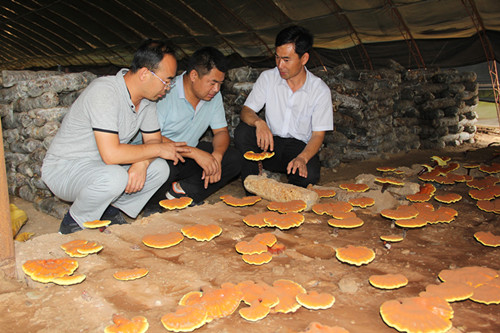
[189, 173]
[285, 150]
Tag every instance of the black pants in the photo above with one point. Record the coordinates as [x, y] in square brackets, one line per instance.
[285, 150]
[189, 173]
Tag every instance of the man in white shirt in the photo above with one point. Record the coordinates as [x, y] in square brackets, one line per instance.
[298, 113]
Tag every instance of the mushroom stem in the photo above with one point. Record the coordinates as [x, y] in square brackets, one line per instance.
[261, 167]
[424, 169]
[384, 187]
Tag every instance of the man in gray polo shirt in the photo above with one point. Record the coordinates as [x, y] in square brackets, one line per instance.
[90, 161]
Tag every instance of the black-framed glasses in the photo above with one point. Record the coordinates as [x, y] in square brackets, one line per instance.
[167, 85]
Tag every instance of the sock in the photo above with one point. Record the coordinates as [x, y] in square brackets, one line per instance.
[177, 188]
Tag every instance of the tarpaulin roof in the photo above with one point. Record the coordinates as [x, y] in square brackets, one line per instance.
[361, 33]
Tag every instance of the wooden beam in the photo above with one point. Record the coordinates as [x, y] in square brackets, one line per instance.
[7, 254]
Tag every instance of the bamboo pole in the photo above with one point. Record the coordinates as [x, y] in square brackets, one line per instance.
[7, 255]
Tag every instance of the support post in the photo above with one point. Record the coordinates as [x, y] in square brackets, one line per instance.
[7, 254]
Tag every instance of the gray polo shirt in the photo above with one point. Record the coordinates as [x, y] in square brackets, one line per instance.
[104, 106]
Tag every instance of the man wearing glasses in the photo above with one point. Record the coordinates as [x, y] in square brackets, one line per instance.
[184, 114]
[91, 162]
[298, 112]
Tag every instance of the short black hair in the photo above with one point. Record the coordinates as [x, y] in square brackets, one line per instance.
[149, 54]
[205, 59]
[297, 35]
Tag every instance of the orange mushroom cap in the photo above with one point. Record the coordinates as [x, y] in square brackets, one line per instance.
[315, 327]
[362, 202]
[240, 202]
[351, 222]
[315, 301]
[392, 238]
[285, 221]
[401, 212]
[472, 275]
[488, 193]
[121, 324]
[287, 292]
[389, 181]
[258, 220]
[417, 314]
[163, 241]
[487, 238]
[482, 183]
[416, 222]
[448, 197]
[67, 280]
[330, 207]
[322, 192]
[81, 248]
[244, 247]
[260, 291]
[490, 206]
[419, 197]
[388, 281]
[202, 232]
[96, 224]
[265, 238]
[250, 155]
[355, 255]
[488, 293]
[450, 291]
[493, 168]
[386, 169]
[221, 302]
[288, 206]
[257, 259]
[352, 187]
[256, 311]
[131, 274]
[177, 203]
[46, 270]
[185, 319]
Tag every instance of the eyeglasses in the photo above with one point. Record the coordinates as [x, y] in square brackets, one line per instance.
[167, 85]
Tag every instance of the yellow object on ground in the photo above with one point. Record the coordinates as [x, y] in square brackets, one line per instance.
[18, 218]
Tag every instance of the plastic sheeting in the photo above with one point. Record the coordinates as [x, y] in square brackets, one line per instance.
[48, 33]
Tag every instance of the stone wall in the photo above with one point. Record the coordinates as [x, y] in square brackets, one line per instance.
[376, 112]
[383, 111]
[32, 106]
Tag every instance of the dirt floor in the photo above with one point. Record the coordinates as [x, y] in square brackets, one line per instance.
[309, 259]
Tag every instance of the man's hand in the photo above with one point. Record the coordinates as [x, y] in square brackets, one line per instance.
[211, 165]
[173, 150]
[264, 136]
[136, 177]
[298, 163]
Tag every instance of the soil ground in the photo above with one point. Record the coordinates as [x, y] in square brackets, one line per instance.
[309, 259]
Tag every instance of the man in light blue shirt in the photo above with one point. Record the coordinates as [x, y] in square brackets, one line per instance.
[193, 105]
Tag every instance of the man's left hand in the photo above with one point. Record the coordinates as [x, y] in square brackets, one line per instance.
[298, 163]
[136, 177]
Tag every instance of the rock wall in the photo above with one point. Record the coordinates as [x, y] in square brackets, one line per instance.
[32, 106]
[383, 111]
[376, 112]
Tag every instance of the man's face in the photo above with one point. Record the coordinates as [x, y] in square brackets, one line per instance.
[208, 85]
[165, 72]
[288, 61]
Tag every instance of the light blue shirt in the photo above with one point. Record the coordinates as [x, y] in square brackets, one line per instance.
[179, 121]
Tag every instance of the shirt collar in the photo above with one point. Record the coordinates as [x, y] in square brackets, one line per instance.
[305, 87]
[180, 93]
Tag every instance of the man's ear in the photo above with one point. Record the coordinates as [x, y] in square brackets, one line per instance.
[143, 73]
[193, 75]
[304, 59]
